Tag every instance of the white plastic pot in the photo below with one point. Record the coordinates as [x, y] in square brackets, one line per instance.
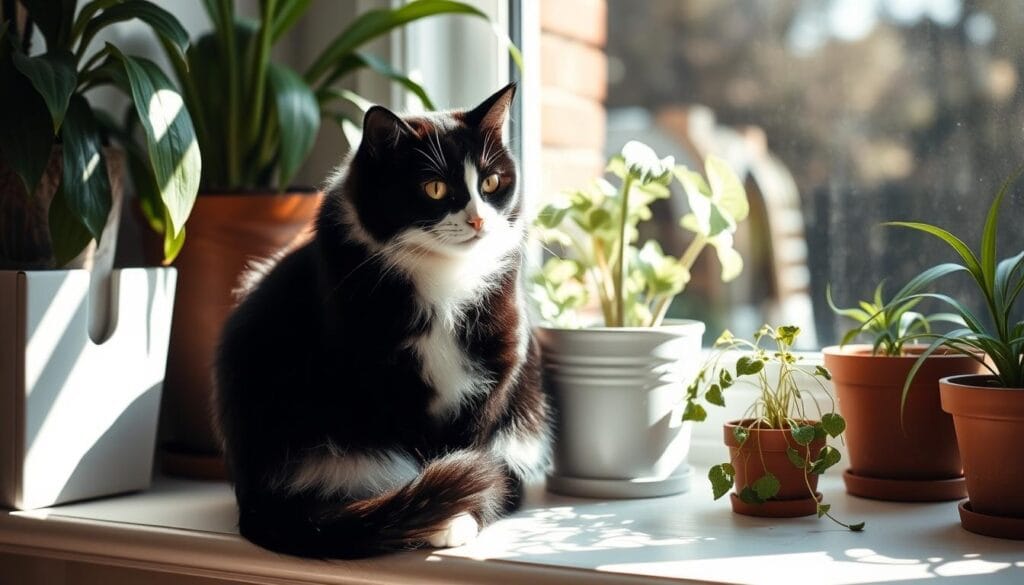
[78, 417]
[619, 395]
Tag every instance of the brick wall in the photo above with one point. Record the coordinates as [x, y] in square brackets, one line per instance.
[574, 81]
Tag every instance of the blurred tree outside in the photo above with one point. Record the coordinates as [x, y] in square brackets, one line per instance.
[881, 110]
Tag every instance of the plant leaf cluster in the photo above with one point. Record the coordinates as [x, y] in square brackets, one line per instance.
[597, 227]
[780, 405]
[43, 105]
[995, 338]
[891, 324]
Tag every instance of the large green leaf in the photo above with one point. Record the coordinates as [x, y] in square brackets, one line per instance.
[53, 75]
[68, 234]
[384, 69]
[988, 235]
[26, 129]
[85, 184]
[727, 188]
[54, 19]
[287, 13]
[375, 23]
[298, 117]
[162, 22]
[170, 138]
[86, 13]
[965, 253]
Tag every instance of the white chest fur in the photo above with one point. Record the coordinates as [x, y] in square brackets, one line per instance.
[446, 366]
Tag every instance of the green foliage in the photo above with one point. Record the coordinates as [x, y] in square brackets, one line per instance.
[257, 120]
[780, 405]
[892, 323]
[43, 104]
[1000, 336]
[597, 227]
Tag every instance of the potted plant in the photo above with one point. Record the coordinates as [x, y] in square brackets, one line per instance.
[988, 409]
[60, 198]
[902, 450]
[779, 448]
[256, 121]
[618, 382]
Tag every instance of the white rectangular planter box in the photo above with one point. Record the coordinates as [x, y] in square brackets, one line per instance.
[78, 418]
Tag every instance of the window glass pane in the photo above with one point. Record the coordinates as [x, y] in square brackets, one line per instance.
[847, 113]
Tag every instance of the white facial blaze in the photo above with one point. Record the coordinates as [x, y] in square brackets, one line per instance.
[477, 206]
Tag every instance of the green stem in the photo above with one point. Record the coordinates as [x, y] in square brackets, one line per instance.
[692, 251]
[259, 69]
[228, 47]
[622, 265]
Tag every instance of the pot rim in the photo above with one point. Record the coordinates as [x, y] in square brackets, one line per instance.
[730, 440]
[298, 190]
[961, 381]
[851, 350]
[671, 326]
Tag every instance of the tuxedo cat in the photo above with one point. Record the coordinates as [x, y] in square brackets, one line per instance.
[378, 389]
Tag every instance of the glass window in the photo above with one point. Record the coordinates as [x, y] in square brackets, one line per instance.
[844, 114]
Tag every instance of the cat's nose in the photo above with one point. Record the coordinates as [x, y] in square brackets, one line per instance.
[476, 222]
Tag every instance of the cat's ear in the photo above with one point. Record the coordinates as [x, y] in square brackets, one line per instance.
[383, 130]
[490, 116]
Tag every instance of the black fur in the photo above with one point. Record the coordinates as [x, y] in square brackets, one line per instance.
[316, 360]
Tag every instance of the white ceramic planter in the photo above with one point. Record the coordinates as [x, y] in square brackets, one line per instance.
[619, 394]
[78, 418]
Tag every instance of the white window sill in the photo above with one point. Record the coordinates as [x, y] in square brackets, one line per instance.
[188, 528]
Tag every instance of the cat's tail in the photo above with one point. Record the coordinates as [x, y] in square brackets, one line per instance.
[452, 495]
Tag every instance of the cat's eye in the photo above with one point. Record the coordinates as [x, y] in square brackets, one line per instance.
[490, 184]
[435, 189]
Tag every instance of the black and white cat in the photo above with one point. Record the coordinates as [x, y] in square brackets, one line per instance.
[379, 388]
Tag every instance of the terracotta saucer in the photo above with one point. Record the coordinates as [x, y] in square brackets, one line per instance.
[777, 508]
[905, 490]
[997, 526]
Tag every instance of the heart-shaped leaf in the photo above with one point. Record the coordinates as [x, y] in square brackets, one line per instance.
[722, 478]
[766, 486]
[803, 434]
[833, 423]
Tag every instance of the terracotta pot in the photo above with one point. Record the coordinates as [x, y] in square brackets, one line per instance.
[920, 451]
[989, 424]
[225, 234]
[764, 451]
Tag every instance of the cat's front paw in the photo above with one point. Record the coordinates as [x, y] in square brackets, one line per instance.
[456, 532]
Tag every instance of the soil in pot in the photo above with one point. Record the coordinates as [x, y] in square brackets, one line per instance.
[765, 451]
[910, 459]
[989, 424]
[227, 233]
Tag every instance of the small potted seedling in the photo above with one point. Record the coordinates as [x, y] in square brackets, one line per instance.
[618, 378]
[779, 447]
[897, 452]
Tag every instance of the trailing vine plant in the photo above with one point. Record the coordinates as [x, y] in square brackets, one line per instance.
[780, 404]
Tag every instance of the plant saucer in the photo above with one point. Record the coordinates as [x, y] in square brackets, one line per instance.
[777, 508]
[988, 525]
[905, 490]
[645, 487]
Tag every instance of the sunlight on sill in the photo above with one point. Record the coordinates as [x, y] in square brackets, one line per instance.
[862, 566]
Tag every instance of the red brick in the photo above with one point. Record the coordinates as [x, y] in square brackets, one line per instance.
[583, 20]
[571, 121]
[563, 169]
[573, 66]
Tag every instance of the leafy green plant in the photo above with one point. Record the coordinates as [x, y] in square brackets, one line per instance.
[597, 228]
[999, 337]
[44, 105]
[890, 324]
[780, 404]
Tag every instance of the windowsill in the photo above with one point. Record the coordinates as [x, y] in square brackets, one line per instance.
[188, 528]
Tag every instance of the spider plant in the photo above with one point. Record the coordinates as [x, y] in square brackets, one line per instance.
[997, 341]
[889, 324]
[43, 104]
